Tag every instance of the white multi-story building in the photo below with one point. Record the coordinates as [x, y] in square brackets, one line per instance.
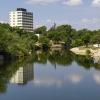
[21, 18]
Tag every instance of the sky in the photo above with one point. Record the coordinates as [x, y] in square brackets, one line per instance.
[78, 13]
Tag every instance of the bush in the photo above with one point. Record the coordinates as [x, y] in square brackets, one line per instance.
[88, 52]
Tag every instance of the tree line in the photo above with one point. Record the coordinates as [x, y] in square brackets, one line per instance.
[17, 42]
[68, 36]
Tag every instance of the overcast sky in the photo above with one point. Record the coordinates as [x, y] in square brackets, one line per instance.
[78, 13]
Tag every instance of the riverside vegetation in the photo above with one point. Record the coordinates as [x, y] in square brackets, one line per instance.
[17, 42]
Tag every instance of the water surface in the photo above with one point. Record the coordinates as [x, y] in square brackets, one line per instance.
[52, 75]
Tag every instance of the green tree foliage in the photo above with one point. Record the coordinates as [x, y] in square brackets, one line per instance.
[15, 41]
[18, 42]
[86, 39]
[68, 36]
[44, 41]
[96, 39]
[41, 30]
[61, 33]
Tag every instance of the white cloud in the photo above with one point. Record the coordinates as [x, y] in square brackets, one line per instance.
[38, 25]
[2, 21]
[74, 78]
[73, 2]
[49, 21]
[90, 21]
[58, 22]
[96, 3]
[42, 1]
[48, 82]
[97, 78]
[65, 2]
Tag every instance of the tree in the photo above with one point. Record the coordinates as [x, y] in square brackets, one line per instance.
[96, 39]
[77, 42]
[40, 30]
[86, 39]
[15, 41]
[44, 41]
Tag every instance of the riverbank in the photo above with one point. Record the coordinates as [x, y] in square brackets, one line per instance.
[94, 52]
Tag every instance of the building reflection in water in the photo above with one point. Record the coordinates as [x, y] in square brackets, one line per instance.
[23, 75]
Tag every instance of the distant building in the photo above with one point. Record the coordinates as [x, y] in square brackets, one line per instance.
[21, 18]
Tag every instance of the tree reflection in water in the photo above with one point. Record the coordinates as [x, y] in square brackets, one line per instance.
[8, 69]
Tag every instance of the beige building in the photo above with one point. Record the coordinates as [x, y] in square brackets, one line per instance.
[21, 18]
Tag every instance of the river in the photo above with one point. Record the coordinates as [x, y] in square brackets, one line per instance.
[51, 75]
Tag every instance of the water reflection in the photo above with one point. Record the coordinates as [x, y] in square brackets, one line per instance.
[55, 57]
[22, 71]
[74, 78]
[47, 82]
[65, 58]
[9, 68]
[96, 78]
[23, 75]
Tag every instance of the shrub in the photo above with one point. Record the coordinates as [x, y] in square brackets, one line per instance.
[88, 52]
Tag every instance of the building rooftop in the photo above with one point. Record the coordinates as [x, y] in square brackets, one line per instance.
[21, 9]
